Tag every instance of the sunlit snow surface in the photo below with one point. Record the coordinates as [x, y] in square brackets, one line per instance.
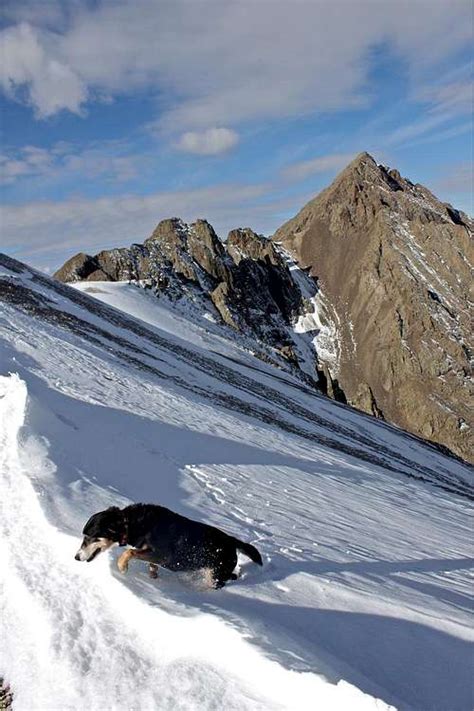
[365, 531]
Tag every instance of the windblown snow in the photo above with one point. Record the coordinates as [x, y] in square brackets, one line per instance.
[364, 600]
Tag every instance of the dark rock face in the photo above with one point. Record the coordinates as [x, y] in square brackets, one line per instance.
[395, 265]
[247, 281]
[260, 289]
[6, 696]
[245, 244]
[80, 268]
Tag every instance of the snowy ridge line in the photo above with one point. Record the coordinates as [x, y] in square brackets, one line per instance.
[74, 638]
[21, 296]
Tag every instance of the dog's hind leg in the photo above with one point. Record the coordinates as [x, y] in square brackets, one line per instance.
[153, 571]
[223, 571]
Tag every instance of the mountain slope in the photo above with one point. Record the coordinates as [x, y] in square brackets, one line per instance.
[396, 266]
[364, 529]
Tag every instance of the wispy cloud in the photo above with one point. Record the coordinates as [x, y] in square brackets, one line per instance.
[321, 164]
[457, 178]
[30, 160]
[447, 102]
[111, 161]
[48, 232]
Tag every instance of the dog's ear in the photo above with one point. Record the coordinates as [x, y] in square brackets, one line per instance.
[113, 508]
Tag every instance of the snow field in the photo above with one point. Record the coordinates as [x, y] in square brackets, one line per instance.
[76, 638]
[368, 555]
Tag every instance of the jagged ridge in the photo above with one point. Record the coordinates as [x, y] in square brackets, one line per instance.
[247, 280]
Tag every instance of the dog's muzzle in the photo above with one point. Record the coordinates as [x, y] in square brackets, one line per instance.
[91, 549]
[80, 555]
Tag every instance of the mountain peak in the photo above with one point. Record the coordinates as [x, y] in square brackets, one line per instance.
[392, 260]
[361, 160]
[363, 170]
[363, 165]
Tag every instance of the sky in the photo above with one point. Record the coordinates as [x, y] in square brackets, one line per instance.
[116, 114]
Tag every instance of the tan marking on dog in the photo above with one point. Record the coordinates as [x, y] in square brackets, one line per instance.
[86, 550]
[124, 560]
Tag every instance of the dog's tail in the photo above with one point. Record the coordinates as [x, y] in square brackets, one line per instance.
[249, 550]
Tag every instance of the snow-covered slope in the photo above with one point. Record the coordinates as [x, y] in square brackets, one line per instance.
[364, 530]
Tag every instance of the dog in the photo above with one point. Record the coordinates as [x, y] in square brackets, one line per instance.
[164, 538]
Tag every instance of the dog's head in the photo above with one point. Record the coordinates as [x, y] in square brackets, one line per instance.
[102, 530]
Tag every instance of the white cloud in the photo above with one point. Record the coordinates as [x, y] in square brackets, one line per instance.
[210, 142]
[29, 62]
[303, 169]
[220, 62]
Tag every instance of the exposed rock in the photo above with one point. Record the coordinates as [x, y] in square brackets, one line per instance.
[222, 301]
[330, 386]
[248, 282]
[6, 696]
[207, 250]
[261, 289]
[80, 268]
[246, 244]
[395, 264]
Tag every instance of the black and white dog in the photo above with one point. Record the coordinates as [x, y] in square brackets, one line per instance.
[164, 538]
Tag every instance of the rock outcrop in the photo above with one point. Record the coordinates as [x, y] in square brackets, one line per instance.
[395, 265]
[247, 281]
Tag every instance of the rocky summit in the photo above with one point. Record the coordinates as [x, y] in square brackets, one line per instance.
[246, 283]
[394, 263]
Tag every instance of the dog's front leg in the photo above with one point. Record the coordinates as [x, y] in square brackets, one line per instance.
[124, 560]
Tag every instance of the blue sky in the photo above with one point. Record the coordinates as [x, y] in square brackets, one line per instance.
[119, 113]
